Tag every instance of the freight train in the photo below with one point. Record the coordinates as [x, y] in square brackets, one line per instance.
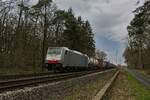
[63, 58]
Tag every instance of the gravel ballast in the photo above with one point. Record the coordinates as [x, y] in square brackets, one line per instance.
[52, 91]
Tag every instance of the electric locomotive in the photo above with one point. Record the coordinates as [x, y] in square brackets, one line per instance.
[62, 58]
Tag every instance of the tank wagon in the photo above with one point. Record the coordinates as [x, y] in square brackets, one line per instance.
[108, 65]
[93, 63]
[62, 58]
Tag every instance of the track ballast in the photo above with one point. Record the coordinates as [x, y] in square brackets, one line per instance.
[12, 84]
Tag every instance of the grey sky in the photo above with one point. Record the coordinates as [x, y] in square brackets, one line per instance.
[109, 19]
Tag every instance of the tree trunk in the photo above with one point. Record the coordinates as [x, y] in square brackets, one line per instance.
[44, 38]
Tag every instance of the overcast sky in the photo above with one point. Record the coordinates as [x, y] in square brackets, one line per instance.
[109, 19]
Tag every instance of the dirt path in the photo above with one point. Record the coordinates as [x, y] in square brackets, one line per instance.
[140, 77]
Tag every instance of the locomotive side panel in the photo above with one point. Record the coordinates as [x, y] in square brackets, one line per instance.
[76, 59]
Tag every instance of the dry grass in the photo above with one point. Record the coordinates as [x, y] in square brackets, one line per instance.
[19, 70]
[145, 72]
[89, 90]
[121, 89]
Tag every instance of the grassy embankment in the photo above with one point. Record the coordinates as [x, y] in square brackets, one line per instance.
[140, 91]
[126, 87]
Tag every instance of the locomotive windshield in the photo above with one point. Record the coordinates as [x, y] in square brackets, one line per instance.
[54, 51]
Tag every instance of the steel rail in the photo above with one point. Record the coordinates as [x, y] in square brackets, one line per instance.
[23, 82]
[8, 77]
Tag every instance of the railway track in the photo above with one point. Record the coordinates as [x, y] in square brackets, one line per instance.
[8, 77]
[12, 84]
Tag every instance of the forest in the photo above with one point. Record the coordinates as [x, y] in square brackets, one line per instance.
[137, 53]
[27, 31]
